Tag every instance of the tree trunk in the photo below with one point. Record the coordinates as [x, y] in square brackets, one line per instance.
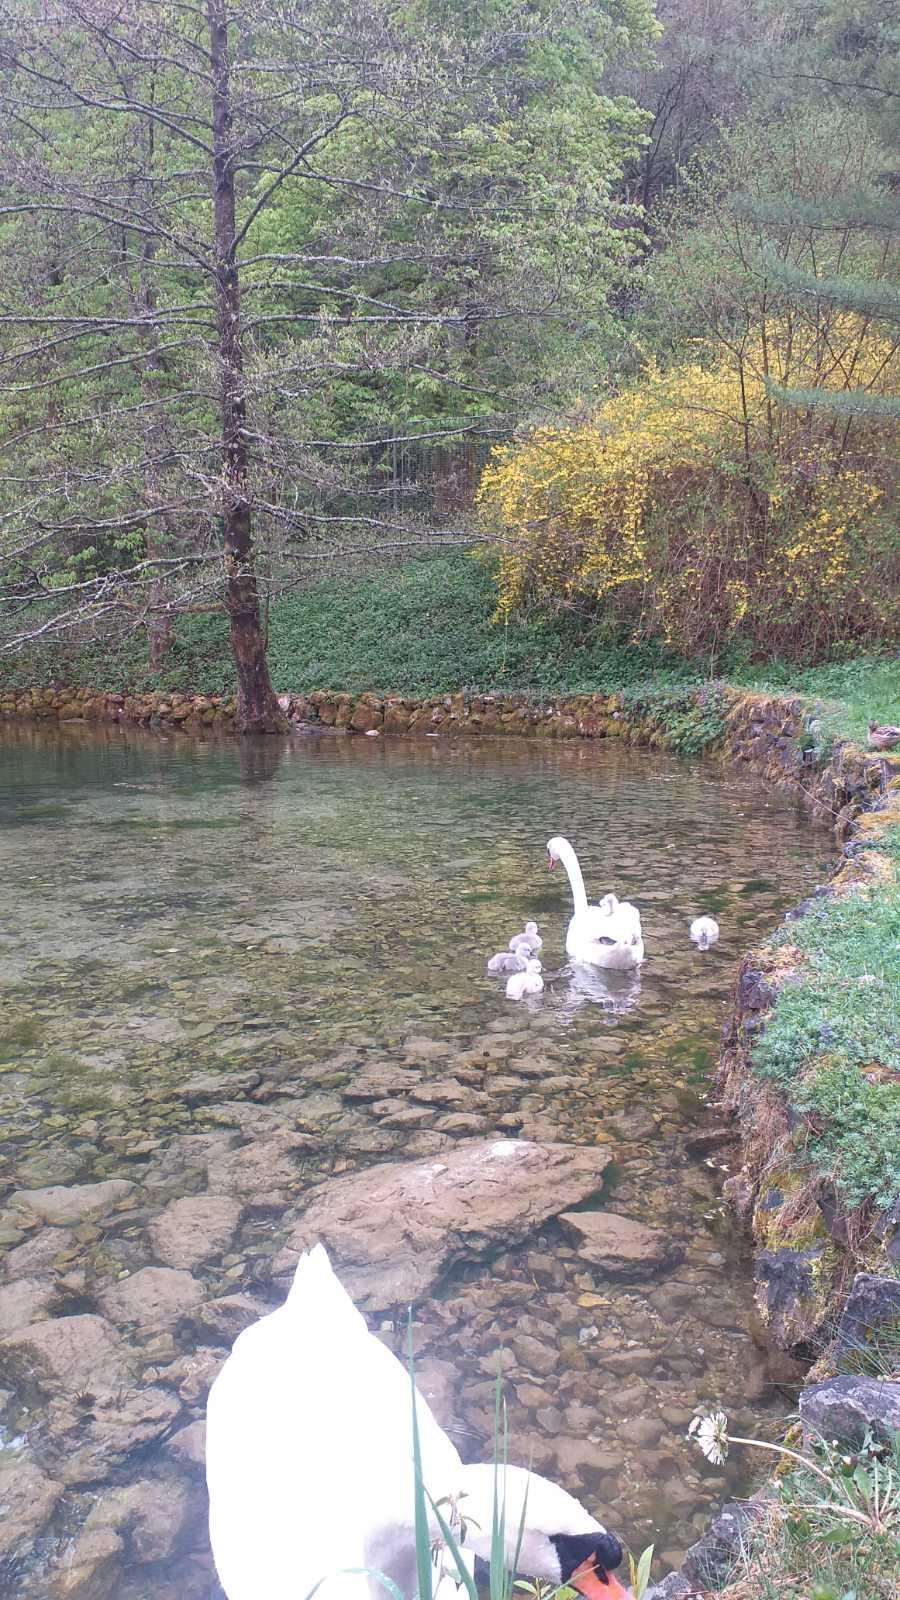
[257, 708]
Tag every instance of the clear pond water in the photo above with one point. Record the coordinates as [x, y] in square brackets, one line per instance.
[261, 922]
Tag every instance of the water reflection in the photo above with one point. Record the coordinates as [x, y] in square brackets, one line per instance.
[579, 985]
[205, 944]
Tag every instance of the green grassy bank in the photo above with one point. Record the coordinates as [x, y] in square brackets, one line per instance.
[425, 628]
[831, 1045]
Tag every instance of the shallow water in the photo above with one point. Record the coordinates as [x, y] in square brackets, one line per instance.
[301, 908]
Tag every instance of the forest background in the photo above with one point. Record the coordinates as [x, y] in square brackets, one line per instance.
[466, 344]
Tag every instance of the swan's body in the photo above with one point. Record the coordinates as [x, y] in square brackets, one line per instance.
[508, 961]
[530, 940]
[310, 1472]
[704, 932]
[600, 936]
[527, 982]
[624, 919]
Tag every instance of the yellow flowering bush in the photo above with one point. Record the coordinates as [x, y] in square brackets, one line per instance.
[695, 509]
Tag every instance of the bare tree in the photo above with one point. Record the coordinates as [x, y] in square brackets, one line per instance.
[690, 82]
[245, 250]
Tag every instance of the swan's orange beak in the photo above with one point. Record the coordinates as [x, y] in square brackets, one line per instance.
[551, 862]
[595, 1584]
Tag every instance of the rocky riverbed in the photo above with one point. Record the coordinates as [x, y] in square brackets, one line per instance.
[252, 993]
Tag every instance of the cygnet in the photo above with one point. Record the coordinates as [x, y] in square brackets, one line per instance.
[530, 941]
[527, 982]
[704, 932]
[508, 961]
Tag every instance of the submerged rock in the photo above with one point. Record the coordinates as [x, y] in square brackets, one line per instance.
[24, 1301]
[153, 1297]
[73, 1203]
[211, 1086]
[265, 1174]
[27, 1500]
[225, 1318]
[151, 1514]
[619, 1246]
[379, 1082]
[395, 1229]
[110, 1429]
[195, 1229]
[68, 1354]
[188, 1445]
[38, 1254]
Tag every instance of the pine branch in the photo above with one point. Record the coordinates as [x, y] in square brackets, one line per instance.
[865, 211]
[867, 297]
[839, 402]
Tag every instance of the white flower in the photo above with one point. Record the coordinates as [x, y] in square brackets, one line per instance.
[710, 1433]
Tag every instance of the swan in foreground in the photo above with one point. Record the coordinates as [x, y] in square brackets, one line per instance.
[599, 935]
[530, 940]
[704, 932]
[527, 982]
[310, 1472]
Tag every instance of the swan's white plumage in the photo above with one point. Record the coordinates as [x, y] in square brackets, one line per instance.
[606, 935]
[309, 1461]
[309, 1449]
[546, 1506]
[704, 932]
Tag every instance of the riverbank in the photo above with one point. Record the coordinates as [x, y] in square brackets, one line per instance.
[424, 630]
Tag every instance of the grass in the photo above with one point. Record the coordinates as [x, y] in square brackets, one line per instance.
[421, 628]
[832, 1041]
[829, 1527]
[809, 1547]
[425, 628]
[842, 695]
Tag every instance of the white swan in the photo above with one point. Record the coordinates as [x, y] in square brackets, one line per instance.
[704, 932]
[508, 961]
[595, 935]
[310, 1473]
[530, 940]
[527, 982]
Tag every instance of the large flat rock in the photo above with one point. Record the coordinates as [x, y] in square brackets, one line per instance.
[393, 1230]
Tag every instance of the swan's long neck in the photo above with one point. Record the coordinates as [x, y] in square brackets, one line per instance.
[573, 872]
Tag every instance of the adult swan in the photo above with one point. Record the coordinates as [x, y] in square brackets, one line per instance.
[607, 935]
[310, 1471]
